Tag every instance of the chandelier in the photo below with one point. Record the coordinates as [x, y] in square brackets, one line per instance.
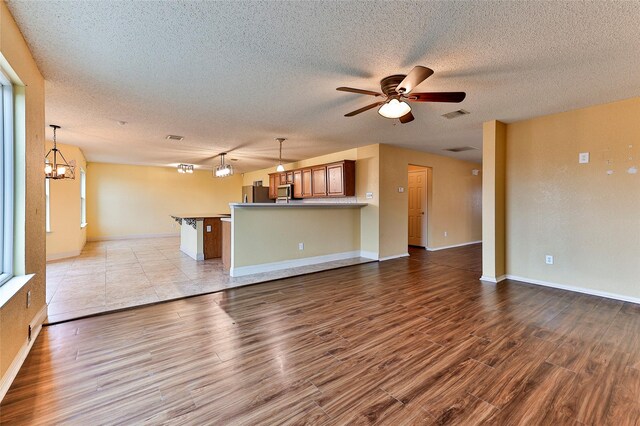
[222, 169]
[55, 165]
[185, 168]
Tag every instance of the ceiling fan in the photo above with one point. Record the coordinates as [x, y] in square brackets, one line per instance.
[397, 89]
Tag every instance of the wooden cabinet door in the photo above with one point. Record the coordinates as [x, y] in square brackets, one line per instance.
[212, 238]
[274, 181]
[306, 183]
[335, 180]
[290, 177]
[319, 179]
[283, 179]
[297, 184]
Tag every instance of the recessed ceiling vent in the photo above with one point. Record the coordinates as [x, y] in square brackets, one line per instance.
[454, 114]
[175, 137]
[460, 149]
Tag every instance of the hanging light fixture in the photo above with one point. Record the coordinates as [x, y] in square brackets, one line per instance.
[55, 165]
[222, 169]
[185, 168]
[394, 109]
[280, 167]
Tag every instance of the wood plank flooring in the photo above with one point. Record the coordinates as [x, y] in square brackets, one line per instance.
[410, 341]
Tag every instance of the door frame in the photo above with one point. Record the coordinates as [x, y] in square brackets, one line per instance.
[429, 200]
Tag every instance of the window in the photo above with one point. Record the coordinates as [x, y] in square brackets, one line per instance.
[47, 205]
[6, 178]
[83, 198]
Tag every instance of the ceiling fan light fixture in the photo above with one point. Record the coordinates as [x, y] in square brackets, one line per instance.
[223, 169]
[394, 109]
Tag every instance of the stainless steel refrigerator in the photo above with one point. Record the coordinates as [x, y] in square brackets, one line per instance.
[255, 194]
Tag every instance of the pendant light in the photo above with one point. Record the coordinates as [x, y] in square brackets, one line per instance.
[222, 169]
[185, 168]
[55, 165]
[280, 167]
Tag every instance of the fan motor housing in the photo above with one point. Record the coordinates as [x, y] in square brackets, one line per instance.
[389, 84]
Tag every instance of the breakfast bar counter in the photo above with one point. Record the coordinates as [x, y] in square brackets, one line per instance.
[200, 234]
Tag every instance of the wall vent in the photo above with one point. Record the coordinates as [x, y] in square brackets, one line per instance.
[175, 137]
[454, 114]
[460, 149]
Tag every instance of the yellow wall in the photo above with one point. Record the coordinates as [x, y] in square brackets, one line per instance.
[588, 220]
[129, 201]
[455, 204]
[265, 235]
[66, 238]
[29, 255]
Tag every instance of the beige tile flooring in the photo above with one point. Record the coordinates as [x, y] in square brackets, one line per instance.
[112, 275]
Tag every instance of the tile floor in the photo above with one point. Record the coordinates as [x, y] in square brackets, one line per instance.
[112, 275]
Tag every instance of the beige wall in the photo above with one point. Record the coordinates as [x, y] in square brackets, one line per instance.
[266, 235]
[588, 220]
[66, 238]
[29, 228]
[494, 142]
[129, 201]
[455, 204]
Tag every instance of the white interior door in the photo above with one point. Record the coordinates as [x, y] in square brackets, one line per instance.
[417, 207]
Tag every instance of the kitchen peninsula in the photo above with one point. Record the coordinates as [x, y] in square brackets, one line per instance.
[268, 237]
[200, 235]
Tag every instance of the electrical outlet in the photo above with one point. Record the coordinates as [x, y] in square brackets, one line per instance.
[369, 195]
[548, 259]
[400, 189]
[583, 158]
[445, 233]
[301, 246]
[208, 228]
[29, 299]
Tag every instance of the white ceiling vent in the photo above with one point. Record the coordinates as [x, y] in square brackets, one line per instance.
[175, 137]
[460, 149]
[454, 114]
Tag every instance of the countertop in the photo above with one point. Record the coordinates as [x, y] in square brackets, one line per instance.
[199, 216]
[299, 205]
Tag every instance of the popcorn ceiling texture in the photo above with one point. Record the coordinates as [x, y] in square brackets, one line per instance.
[235, 75]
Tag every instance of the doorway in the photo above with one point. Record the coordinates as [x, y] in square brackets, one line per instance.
[418, 205]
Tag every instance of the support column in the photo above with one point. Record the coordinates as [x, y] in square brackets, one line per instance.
[494, 141]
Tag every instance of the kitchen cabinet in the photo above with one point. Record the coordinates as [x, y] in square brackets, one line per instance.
[297, 184]
[324, 180]
[319, 181]
[274, 181]
[306, 183]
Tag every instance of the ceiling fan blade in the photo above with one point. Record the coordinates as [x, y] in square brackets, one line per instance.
[417, 75]
[408, 117]
[359, 91]
[363, 109]
[437, 97]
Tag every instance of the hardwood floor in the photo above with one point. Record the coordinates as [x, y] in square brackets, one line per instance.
[416, 340]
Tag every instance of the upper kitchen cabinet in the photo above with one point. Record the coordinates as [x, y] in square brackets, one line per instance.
[319, 181]
[341, 179]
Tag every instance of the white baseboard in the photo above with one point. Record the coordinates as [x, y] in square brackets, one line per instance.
[492, 279]
[582, 290]
[369, 254]
[286, 264]
[395, 256]
[63, 255]
[453, 246]
[132, 237]
[14, 368]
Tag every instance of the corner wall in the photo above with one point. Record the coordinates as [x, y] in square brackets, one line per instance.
[66, 238]
[586, 218]
[137, 201]
[29, 255]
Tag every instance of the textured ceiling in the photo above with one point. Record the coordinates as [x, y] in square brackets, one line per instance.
[231, 76]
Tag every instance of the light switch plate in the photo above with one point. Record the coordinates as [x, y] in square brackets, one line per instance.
[548, 259]
[583, 158]
[400, 189]
[369, 195]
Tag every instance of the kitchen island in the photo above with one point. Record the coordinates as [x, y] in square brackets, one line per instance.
[200, 235]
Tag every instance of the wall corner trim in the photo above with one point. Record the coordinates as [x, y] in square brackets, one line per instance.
[14, 368]
[492, 279]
